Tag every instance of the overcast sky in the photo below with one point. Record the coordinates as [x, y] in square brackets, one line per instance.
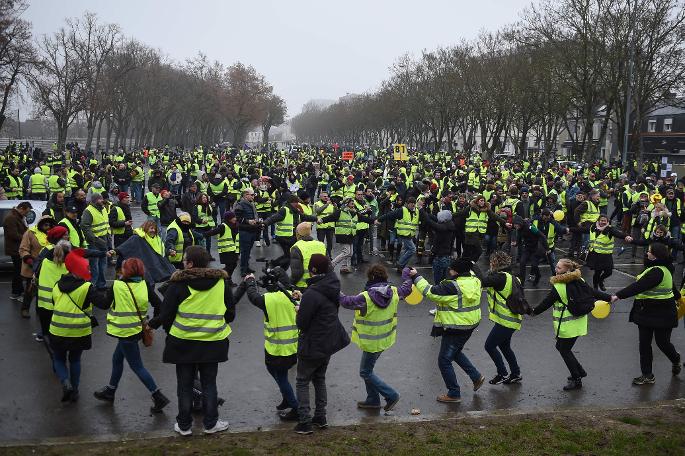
[307, 49]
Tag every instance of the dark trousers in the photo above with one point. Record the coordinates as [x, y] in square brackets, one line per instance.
[526, 255]
[357, 247]
[247, 239]
[29, 293]
[327, 234]
[311, 371]
[185, 376]
[284, 260]
[17, 285]
[600, 276]
[564, 346]
[500, 337]
[472, 251]
[662, 336]
[231, 262]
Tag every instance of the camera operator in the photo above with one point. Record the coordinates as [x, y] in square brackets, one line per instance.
[280, 331]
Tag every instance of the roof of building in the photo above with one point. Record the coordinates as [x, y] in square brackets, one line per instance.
[675, 106]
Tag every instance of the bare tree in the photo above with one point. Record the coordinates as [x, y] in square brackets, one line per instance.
[16, 49]
[275, 111]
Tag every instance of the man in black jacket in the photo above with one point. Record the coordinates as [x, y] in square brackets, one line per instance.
[321, 335]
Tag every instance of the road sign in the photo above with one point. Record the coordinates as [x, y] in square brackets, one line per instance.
[348, 155]
[400, 152]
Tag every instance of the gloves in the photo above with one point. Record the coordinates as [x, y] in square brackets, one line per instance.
[28, 260]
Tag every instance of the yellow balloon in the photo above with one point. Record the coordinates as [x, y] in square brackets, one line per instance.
[558, 215]
[681, 307]
[601, 310]
[415, 297]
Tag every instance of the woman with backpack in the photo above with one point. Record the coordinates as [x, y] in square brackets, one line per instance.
[601, 248]
[500, 284]
[654, 310]
[570, 298]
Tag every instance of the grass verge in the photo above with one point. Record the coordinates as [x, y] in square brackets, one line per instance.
[656, 430]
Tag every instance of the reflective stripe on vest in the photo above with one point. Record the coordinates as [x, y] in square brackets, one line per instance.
[285, 227]
[122, 318]
[38, 183]
[565, 324]
[74, 237]
[225, 242]
[346, 225]
[201, 315]
[323, 214]
[477, 221]
[601, 243]
[49, 275]
[408, 224]
[100, 224]
[280, 331]
[497, 304]
[591, 214]
[456, 311]
[120, 218]
[68, 320]
[662, 291]
[376, 331]
[180, 241]
[307, 249]
[152, 202]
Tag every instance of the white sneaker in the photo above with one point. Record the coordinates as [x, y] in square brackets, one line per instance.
[220, 426]
[259, 243]
[18, 298]
[432, 311]
[185, 433]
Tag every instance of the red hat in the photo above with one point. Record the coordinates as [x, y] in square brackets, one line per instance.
[56, 233]
[77, 264]
[434, 186]
[122, 195]
[350, 177]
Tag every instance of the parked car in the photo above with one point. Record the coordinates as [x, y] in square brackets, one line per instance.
[31, 218]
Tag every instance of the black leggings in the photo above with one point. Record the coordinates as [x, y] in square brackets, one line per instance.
[565, 346]
[601, 275]
[662, 336]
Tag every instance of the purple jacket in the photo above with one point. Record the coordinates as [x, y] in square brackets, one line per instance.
[379, 292]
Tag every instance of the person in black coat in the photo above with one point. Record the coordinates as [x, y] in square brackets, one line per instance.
[602, 263]
[321, 335]
[193, 356]
[654, 317]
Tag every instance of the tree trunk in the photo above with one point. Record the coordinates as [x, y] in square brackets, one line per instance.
[109, 134]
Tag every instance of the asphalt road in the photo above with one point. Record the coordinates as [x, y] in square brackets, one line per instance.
[30, 407]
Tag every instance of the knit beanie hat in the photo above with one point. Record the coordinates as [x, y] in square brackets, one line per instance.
[77, 264]
[56, 233]
[319, 264]
[460, 265]
[444, 216]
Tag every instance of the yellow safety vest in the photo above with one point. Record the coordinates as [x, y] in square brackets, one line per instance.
[307, 249]
[566, 325]
[285, 227]
[179, 242]
[601, 243]
[69, 316]
[122, 318]
[477, 221]
[49, 275]
[74, 237]
[408, 224]
[152, 202]
[280, 330]
[662, 291]
[497, 304]
[376, 331]
[201, 315]
[325, 213]
[38, 184]
[226, 243]
[457, 311]
[100, 225]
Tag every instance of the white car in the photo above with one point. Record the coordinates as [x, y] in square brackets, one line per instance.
[31, 218]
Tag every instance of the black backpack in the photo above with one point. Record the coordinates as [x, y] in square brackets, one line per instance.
[516, 302]
[581, 301]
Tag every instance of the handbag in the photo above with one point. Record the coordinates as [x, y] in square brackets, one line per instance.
[94, 323]
[148, 333]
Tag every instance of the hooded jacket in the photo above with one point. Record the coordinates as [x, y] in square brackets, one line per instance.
[182, 351]
[379, 292]
[321, 332]
[67, 284]
[444, 234]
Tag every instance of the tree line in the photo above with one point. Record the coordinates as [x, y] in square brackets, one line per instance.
[564, 66]
[126, 90]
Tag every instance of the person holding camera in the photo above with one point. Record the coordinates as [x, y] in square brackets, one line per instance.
[280, 332]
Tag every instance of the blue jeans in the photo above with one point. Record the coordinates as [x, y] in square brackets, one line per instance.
[441, 265]
[490, 243]
[220, 209]
[357, 245]
[124, 188]
[408, 251]
[98, 269]
[130, 351]
[247, 239]
[137, 191]
[280, 374]
[451, 348]
[71, 373]
[185, 378]
[375, 387]
[500, 337]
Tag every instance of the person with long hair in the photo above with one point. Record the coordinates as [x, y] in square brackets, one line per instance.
[601, 249]
[129, 299]
[654, 310]
[567, 327]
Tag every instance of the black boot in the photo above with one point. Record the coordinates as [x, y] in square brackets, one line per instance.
[573, 384]
[105, 394]
[159, 401]
[67, 391]
[282, 406]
